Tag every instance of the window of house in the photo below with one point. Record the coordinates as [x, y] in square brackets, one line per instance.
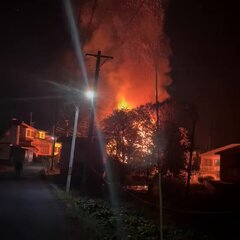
[207, 162]
[28, 133]
[41, 134]
[217, 162]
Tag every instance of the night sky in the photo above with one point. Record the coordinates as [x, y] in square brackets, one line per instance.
[205, 64]
[33, 38]
[204, 37]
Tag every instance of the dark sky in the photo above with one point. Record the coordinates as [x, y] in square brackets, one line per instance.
[33, 37]
[205, 64]
[204, 38]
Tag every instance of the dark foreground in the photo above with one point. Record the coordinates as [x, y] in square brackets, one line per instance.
[28, 210]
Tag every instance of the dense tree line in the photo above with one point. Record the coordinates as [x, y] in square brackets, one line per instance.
[134, 139]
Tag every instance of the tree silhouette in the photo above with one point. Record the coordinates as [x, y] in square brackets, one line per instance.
[132, 137]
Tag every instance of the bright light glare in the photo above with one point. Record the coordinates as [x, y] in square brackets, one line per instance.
[89, 94]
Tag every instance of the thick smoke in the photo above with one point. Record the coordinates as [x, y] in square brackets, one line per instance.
[132, 32]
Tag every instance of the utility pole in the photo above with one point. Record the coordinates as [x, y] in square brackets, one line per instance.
[54, 135]
[157, 103]
[98, 57]
[72, 151]
[66, 128]
[158, 159]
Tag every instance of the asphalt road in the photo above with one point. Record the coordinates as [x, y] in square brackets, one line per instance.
[28, 210]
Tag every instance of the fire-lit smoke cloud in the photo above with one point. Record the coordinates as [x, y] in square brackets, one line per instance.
[132, 32]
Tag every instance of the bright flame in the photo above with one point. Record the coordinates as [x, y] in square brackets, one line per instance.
[123, 104]
[133, 33]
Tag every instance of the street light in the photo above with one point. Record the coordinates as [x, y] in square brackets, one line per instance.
[90, 95]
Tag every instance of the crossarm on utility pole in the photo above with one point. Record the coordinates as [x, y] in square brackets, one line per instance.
[98, 57]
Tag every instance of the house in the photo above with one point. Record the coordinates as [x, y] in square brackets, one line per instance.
[230, 164]
[32, 141]
[211, 164]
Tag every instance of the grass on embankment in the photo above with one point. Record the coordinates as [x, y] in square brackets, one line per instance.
[98, 220]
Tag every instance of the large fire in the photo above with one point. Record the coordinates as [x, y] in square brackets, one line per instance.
[123, 104]
[132, 138]
[132, 32]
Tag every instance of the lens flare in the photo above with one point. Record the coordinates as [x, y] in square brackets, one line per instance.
[132, 32]
[73, 29]
[90, 94]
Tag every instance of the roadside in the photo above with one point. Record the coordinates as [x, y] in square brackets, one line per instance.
[29, 210]
[199, 217]
[133, 219]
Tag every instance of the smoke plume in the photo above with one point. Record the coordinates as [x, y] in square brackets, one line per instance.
[132, 32]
